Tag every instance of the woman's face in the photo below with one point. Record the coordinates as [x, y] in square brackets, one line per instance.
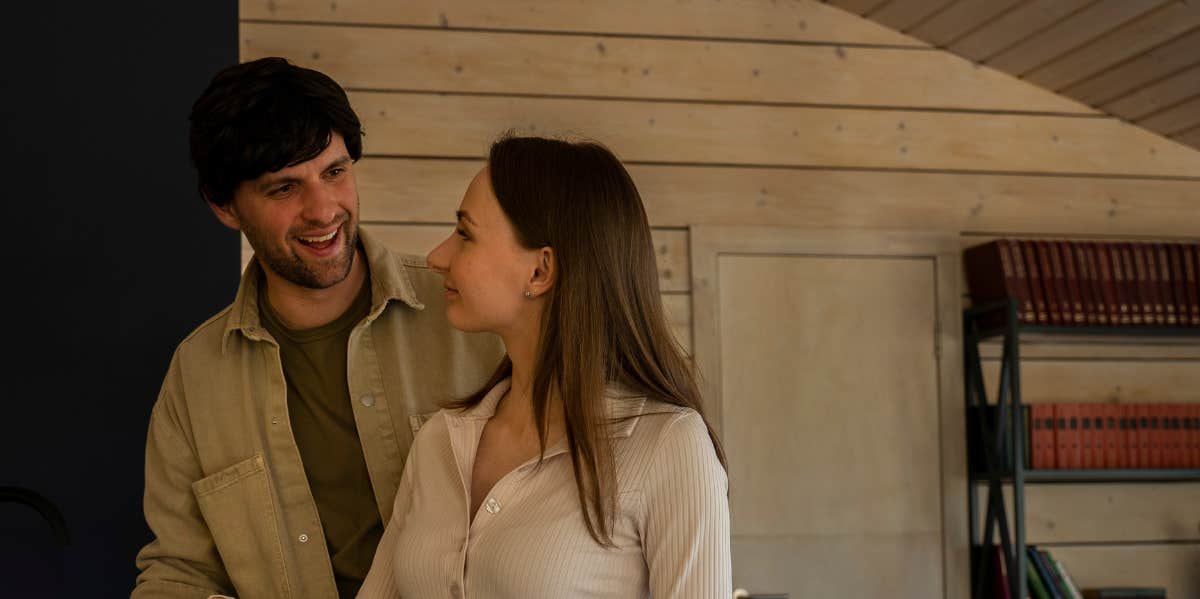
[486, 271]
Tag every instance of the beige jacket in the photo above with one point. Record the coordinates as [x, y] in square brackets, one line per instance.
[226, 496]
[528, 539]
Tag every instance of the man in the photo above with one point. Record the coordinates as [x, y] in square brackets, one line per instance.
[278, 439]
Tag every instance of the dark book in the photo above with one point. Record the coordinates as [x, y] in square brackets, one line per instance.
[1179, 293]
[1120, 291]
[1047, 579]
[1147, 265]
[1108, 304]
[1065, 255]
[1166, 284]
[1051, 282]
[1133, 292]
[1069, 585]
[992, 275]
[1033, 274]
[1125, 593]
[1086, 273]
[1191, 260]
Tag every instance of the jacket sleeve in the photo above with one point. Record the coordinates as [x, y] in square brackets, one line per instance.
[182, 560]
[687, 515]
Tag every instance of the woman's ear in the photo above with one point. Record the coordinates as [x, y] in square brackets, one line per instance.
[544, 273]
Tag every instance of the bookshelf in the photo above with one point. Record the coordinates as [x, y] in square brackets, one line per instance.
[1002, 445]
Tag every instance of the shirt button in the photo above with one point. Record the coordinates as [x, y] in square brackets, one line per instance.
[303, 538]
[492, 506]
[274, 420]
[367, 400]
[454, 590]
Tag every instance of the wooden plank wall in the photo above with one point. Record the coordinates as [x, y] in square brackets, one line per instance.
[760, 112]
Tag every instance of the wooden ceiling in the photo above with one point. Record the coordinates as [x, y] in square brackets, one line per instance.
[1138, 60]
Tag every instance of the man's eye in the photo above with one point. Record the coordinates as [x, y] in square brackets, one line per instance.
[281, 190]
[461, 233]
[334, 172]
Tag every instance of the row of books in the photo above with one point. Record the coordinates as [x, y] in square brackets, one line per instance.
[1047, 578]
[1085, 436]
[1089, 283]
[1095, 436]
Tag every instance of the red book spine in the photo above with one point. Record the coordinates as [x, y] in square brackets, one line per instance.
[1139, 427]
[1050, 282]
[1118, 278]
[1155, 437]
[1037, 290]
[1151, 297]
[1087, 437]
[1178, 291]
[1071, 274]
[1166, 284]
[1062, 438]
[1195, 417]
[1038, 437]
[1100, 432]
[1077, 436]
[1128, 437]
[1179, 436]
[1112, 436]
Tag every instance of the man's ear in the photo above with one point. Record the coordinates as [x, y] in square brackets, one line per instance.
[545, 272]
[225, 213]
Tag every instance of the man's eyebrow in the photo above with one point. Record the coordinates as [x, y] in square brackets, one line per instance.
[462, 215]
[342, 161]
[273, 181]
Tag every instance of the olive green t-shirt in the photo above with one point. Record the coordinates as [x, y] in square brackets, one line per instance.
[318, 399]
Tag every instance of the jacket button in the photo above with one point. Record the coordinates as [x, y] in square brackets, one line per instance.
[303, 538]
[492, 506]
[367, 400]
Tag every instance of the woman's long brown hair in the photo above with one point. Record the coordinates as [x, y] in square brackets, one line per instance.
[604, 321]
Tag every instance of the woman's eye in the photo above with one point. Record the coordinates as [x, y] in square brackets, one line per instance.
[461, 233]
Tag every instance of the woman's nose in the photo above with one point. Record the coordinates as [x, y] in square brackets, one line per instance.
[439, 257]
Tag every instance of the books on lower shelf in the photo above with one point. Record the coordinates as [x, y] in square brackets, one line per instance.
[1102, 436]
[1089, 283]
[1047, 578]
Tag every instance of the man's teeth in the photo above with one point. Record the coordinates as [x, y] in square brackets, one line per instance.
[319, 239]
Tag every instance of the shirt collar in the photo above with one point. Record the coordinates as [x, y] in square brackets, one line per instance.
[625, 407]
[389, 281]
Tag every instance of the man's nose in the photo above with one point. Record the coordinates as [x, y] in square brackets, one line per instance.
[320, 206]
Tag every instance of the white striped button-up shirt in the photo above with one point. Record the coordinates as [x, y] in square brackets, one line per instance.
[528, 539]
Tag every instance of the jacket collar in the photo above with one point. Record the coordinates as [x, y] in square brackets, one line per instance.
[389, 281]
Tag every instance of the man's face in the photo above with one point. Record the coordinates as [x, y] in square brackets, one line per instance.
[302, 220]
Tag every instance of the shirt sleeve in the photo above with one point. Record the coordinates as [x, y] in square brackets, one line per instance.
[182, 560]
[380, 582]
[687, 515]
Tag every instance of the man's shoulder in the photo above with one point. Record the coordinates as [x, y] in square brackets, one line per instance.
[209, 335]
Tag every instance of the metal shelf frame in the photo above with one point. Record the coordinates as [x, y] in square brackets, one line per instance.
[1003, 445]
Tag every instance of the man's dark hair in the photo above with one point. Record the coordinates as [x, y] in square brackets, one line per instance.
[264, 115]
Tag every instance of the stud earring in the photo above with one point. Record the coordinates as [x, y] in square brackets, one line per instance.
[528, 294]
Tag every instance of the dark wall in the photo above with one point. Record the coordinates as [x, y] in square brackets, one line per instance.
[111, 260]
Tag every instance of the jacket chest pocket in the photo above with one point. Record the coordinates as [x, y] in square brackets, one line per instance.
[238, 507]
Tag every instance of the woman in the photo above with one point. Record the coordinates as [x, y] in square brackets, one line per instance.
[585, 467]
